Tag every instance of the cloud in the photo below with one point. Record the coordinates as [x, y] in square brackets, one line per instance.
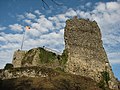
[30, 15]
[114, 55]
[28, 21]
[44, 22]
[37, 12]
[114, 61]
[71, 12]
[88, 4]
[16, 27]
[20, 17]
[5, 57]
[2, 28]
[112, 6]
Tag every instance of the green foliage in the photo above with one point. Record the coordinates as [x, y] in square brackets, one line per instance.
[105, 76]
[8, 66]
[46, 56]
[64, 57]
[101, 84]
[104, 81]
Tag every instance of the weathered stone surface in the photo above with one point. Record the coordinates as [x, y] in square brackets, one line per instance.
[26, 72]
[86, 55]
[17, 58]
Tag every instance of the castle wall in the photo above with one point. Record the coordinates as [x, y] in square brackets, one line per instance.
[86, 55]
[17, 58]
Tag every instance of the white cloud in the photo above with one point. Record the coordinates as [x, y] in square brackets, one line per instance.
[16, 27]
[2, 39]
[2, 28]
[20, 17]
[71, 12]
[5, 57]
[88, 4]
[28, 21]
[100, 7]
[114, 55]
[114, 61]
[37, 12]
[44, 22]
[30, 15]
[112, 5]
[39, 28]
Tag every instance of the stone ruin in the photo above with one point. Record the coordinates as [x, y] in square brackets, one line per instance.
[86, 54]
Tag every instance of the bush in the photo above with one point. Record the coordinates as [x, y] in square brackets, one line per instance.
[105, 76]
[64, 57]
[101, 84]
[8, 66]
[104, 81]
[46, 56]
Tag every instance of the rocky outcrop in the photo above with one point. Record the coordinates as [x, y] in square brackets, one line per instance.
[86, 54]
[42, 78]
[26, 72]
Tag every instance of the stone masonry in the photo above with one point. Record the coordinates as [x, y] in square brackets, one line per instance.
[86, 55]
[17, 58]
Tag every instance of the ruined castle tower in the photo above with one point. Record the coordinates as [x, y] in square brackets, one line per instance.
[17, 58]
[86, 55]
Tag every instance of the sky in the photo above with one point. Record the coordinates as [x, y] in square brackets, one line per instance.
[47, 25]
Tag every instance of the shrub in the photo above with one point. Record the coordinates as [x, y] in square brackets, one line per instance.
[104, 81]
[105, 76]
[8, 66]
[64, 57]
[46, 56]
[101, 84]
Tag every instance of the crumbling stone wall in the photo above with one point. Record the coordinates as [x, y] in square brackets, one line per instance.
[17, 58]
[86, 55]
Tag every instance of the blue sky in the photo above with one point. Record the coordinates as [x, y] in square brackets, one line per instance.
[47, 25]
